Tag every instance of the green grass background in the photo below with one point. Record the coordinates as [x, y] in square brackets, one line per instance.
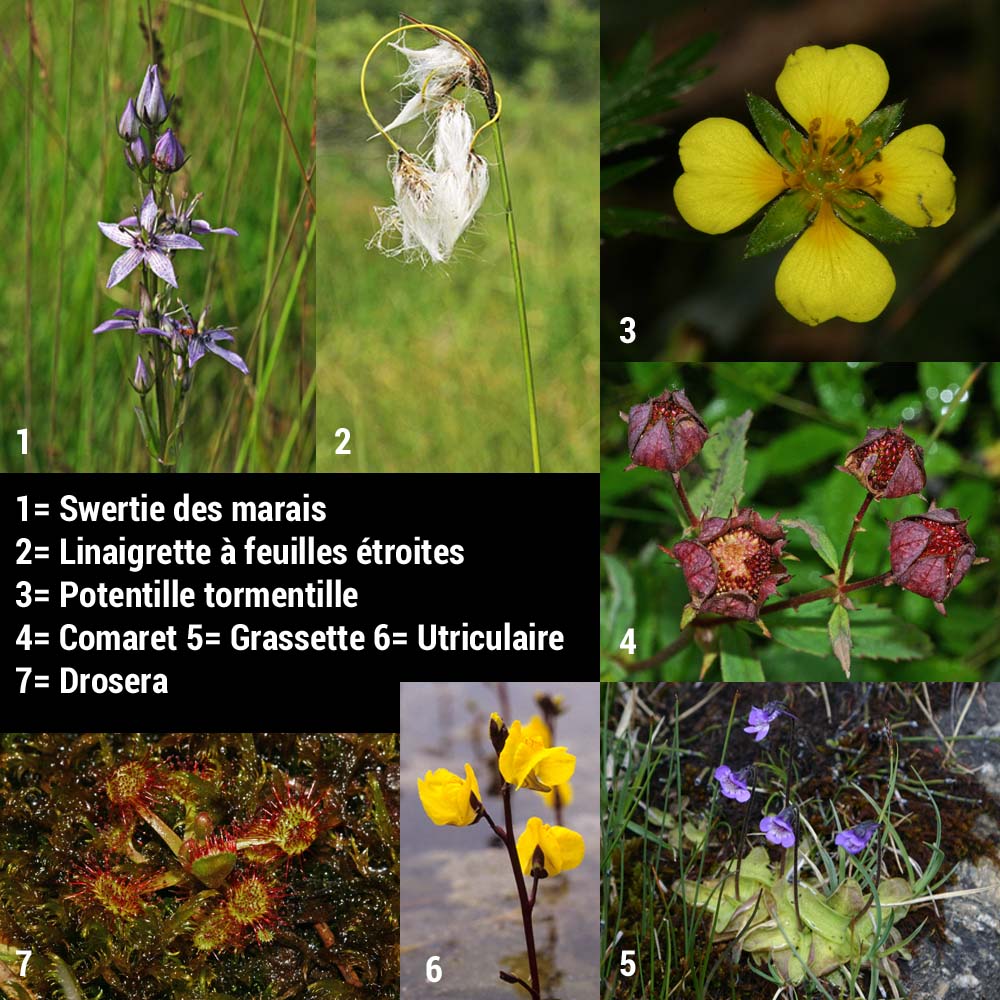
[66, 70]
[422, 364]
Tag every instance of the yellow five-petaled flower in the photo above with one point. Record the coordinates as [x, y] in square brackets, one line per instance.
[446, 797]
[526, 759]
[831, 270]
[559, 847]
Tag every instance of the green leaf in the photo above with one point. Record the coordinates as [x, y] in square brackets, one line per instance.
[818, 539]
[610, 176]
[618, 137]
[867, 216]
[783, 221]
[778, 133]
[840, 389]
[942, 383]
[738, 661]
[839, 629]
[622, 221]
[877, 128]
[617, 604]
[875, 631]
[724, 460]
[802, 447]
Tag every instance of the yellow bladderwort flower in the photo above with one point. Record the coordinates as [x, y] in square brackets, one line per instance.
[446, 797]
[844, 178]
[526, 760]
[559, 847]
[538, 729]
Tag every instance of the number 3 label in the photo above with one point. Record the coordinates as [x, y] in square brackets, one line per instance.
[628, 336]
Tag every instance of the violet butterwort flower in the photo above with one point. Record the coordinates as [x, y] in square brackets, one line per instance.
[146, 245]
[761, 719]
[733, 784]
[181, 221]
[855, 839]
[778, 829]
[151, 104]
[128, 124]
[168, 155]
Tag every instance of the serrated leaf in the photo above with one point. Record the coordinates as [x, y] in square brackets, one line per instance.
[738, 663]
[782, 222]
[619, 137]
[818, 539]
[724, 460]
[876, 633]
[877, 129]
[779, 134]
[804, 446]
[867, 216]
[839, 630]
[617, 603]
[610, 176]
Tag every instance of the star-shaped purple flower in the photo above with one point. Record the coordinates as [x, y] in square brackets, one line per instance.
[778, 829]
[123, 319]
[181, 221]
[761, 719]
[145, 244]
[855, 839]
[198, 341]
[733, 784]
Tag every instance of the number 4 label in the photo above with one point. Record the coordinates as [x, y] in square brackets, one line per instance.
[628, 642]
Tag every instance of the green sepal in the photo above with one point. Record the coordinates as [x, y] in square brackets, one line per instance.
[867, 216]
[783, 221]
[877, 129]
[778, 133]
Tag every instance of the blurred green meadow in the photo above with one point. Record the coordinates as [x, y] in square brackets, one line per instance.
[422, 365]
[68, 69]
[806, 417]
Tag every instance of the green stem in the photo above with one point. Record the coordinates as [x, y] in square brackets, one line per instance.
[855, 527]
[522, 313]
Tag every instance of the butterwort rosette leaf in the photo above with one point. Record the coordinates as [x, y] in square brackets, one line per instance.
[734, 565]
[888, 463]
[665, 433]
[931, 553]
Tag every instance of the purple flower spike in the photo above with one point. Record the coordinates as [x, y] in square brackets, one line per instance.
[124, 319]
[733, 784]
[856, 839]
[778, 829]
[146, 245]
[168, 156]
[181, 221]
[761, 719]
[151, 104]
[128, 124]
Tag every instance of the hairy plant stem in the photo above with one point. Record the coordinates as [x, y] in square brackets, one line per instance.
[506, 837]
[522, 312]
[743, 828]
[682, 495]
[855, 528]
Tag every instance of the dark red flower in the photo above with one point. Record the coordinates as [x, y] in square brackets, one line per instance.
[665, 433]
[734, 566]
[888, 463]
[931, 553]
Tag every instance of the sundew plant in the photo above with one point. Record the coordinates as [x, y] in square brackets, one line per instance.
[750, 584]
[751, 852]
[162, 866]
[438, 194]
[174, 341]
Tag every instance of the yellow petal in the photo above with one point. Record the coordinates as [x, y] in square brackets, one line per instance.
[728, 176]
[445, 796]
[561, 847]
[832, 85]
[526, 761]
[911, 179]
[571, 847]
[833, 271]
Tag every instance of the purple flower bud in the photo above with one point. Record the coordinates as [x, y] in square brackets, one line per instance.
[168, 155]
[855, 840]
[778, 829]
[151, 104]
[931, 553]
[137, 154]
[733, 784]
[664, 433]
[141, 381]
[128, 124]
